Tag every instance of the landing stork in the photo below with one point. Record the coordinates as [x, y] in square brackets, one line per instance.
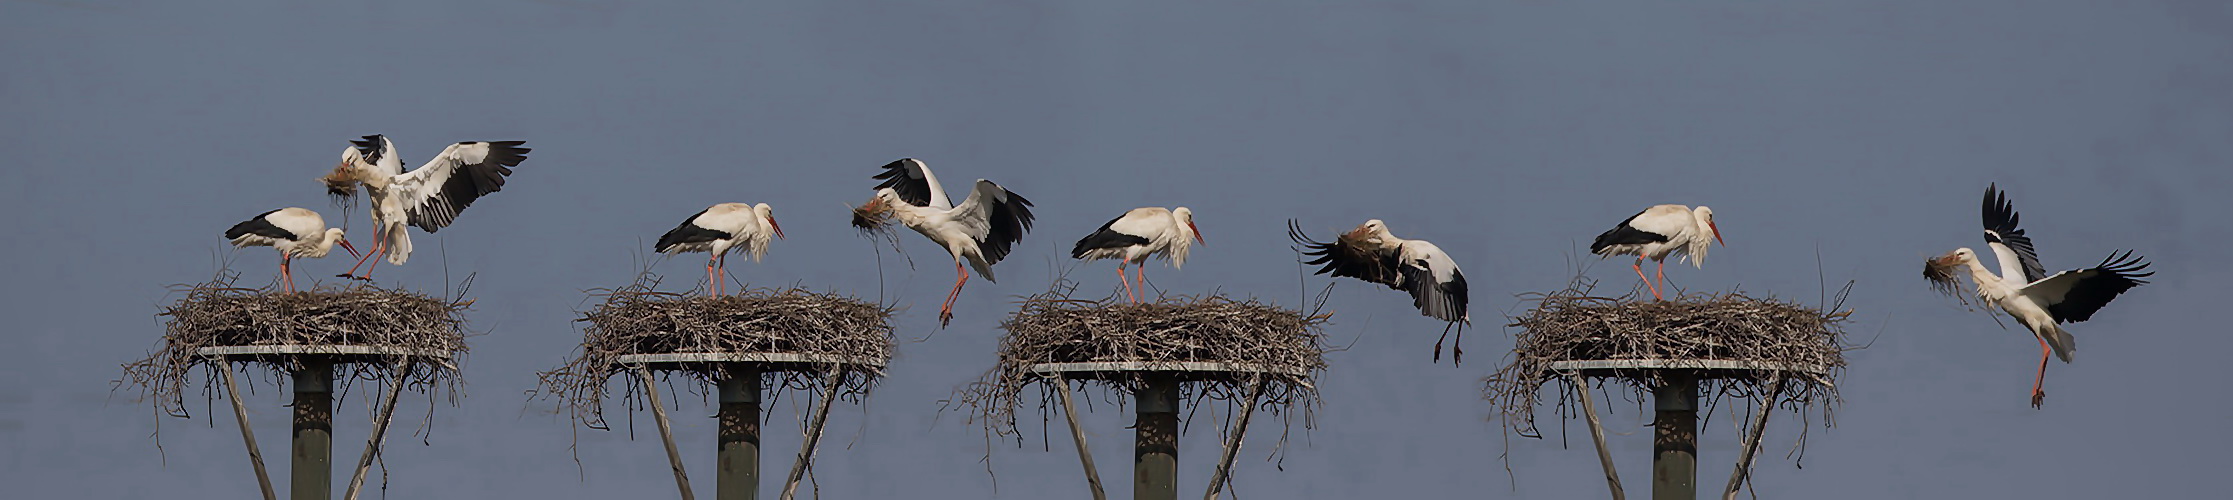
[1138, 234]
[2040, 303]
[294, 232]
[979, 231]
[1658, 232]
[429, 197]
[1371, 253]
[719, 230]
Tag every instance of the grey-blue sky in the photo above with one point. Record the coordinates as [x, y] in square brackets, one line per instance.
[1507, 132]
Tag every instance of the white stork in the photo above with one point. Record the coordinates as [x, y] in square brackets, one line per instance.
[295, 232]
[1138, 234]
[1371, 253]
[2023, 291]
[721, 229]
[429, 197]
[980, 230]
[1657, 232]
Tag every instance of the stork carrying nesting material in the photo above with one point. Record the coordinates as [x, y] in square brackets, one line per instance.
[2023, 291]
[979, 231]
[721, 229]
[1658, 231]
[1137, 235]
[1371, 253]
[295, 232]
[429, 197]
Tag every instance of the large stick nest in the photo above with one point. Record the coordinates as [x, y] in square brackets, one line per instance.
[217, 313]
[638, 319]
[1286, 344]
[1571, 324]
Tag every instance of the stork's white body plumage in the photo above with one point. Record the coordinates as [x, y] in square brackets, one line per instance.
[1658, 232]
[1371, 253]
[2040, 303]
[294, 232]
[430, 197]
[719, 230]
[1137, 235]
[979, 231]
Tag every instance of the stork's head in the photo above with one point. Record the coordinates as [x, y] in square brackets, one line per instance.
[335, 236]
[877, 212]
[767, 213]
[1940, 271]
[1706, 218]
[1186, 216]
[342, 181]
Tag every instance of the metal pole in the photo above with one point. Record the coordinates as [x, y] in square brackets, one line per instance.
[1597, 435]
[737, 476]
[1155, 445]
[1674, 466]
[666, 434]
[312, 465]
[1077, 434]
[240, 413]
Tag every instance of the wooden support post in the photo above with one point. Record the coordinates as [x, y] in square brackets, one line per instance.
[814, 433]
[1233, 443]
[1597, 434]
[737, 475]
[311, 468]
[666, 434]
[1674, 468]
[1155, 445]
[1743, 471]
[1077, 435]
[240, 413]
[379, 431]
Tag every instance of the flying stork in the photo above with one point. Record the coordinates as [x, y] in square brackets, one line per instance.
[1657, 232]
[1138, 234]
[294, 232]
[429, 197]
[980, 230]
[2039, 302]
[1371, 253]
[721, 229]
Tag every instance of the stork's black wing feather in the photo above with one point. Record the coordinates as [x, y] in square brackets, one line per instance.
[905, 176]
[689, 232]
[1011, 218]
[2104, 282]
[1443, 301]
[2000, 227]
[259, 226]
[1344, 260]
[470, 182]
[1625, 234]
[1105, 238]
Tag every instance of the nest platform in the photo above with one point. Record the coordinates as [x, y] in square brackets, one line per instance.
[1246, 354]
[1763, 352]
[832, 346]
[396, 339]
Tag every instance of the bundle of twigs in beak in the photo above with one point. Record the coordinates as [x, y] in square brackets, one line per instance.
[872, 217]
[341, 183]
[1940, 271]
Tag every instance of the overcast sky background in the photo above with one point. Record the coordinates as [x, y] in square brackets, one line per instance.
[1509, 133]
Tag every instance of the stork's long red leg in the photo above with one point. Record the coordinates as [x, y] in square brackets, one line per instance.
[710, 282]
[946, 312]
[1662, 272]
[286, 274]
[2038, 396]
[1127, 282]
[378, 243]
[1142, 273]
[1647, 279]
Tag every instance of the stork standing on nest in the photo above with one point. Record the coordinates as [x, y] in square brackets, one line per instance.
[1138, 234]
[1371, 253]
[429, 197]
[2039, 302]
[294, 232]
[719, 230]
[1658, 232]
[979, 231]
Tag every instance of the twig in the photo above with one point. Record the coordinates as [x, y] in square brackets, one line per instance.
[240, 413]
[1743, 471]
[666, 434]
[1077, 434]
[379, 429]
[814, 432]
[1597, 435]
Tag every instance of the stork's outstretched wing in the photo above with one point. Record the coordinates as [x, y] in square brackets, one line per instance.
[914, 182]
[434, 194]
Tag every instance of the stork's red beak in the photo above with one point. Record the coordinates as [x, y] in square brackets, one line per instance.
[778, 227]
[1717, 232]
[1197, 233]
[351, 248]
